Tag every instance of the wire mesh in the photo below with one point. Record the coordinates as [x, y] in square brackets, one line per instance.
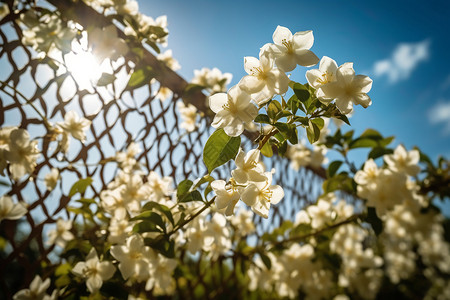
[117, 120]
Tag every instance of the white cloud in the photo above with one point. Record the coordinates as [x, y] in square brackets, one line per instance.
[440, 113]
[403, 61]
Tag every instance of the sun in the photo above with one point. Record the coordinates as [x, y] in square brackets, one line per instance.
[85, 68]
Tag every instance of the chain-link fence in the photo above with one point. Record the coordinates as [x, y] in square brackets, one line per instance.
[119, 117]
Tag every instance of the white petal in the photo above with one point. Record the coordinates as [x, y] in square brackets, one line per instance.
[303, 39]
[217, 101]
[281, 33]
[312, 76]
[306, 58]
[345, 73]
[328, 65]
[278, 194]
[362, 99]
[344, 104]
[286, 62]
[251, 63]
[250, 194]
[94, 283]
[251, 84]
[106, 270]
[363, 83]
[331, 90]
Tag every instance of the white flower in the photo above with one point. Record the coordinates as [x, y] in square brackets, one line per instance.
[259, 195]
[127, 160]
[61, 234]
[248, 167]
[196, 234]
[243, 222]
[75, 125]
[164, 93]
[94, 271]
[263, 80]
[226, 196]
[168, 59]
[403, 161]
[51, 179]
[159, 189]
[105, 43]
[320, 213]
[46, 33]
[22, 153]
[299, 155]
[217, 239]
[318, 157]
[188, 115]
[368, 174]
[36, 291]
[161, 279]
[212, 80]
[348, 89]
[325, 74]
[232, 109]
[119, 230]
[134, 258]
[9, 210]
[292, 50]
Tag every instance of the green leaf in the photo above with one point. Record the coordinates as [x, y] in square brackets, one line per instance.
[293, 134]
[63, 269]
[301, 92]
[283, 128]
[141, 77]
[162, 208]
[379, 151]
[372, 134]
[80, 186]
[163, 245]
[282, 148]
[273, 109]
[261, 118]
[373, 220]
[319, 122]
[294, 104]
[106, 79]
[152, 218]
[312, 132]
[219, 149]
[343, 117]
[339, 182]
[303, 120]
[266, 150]
[266, 260]
[192, 196]
[333, 168]
[204, 179]
[282, 114]
[184, 187]
[363, 143]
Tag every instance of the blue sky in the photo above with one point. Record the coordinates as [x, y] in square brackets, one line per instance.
[408, 40]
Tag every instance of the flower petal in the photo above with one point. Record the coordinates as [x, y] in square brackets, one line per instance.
[303, 39]
[281, 33]
[306, 58]
[217, 101]
[251, 63]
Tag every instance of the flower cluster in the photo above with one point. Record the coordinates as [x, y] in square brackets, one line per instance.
[17, 151]
[250, 183]
[341, 84]
[212, 80]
